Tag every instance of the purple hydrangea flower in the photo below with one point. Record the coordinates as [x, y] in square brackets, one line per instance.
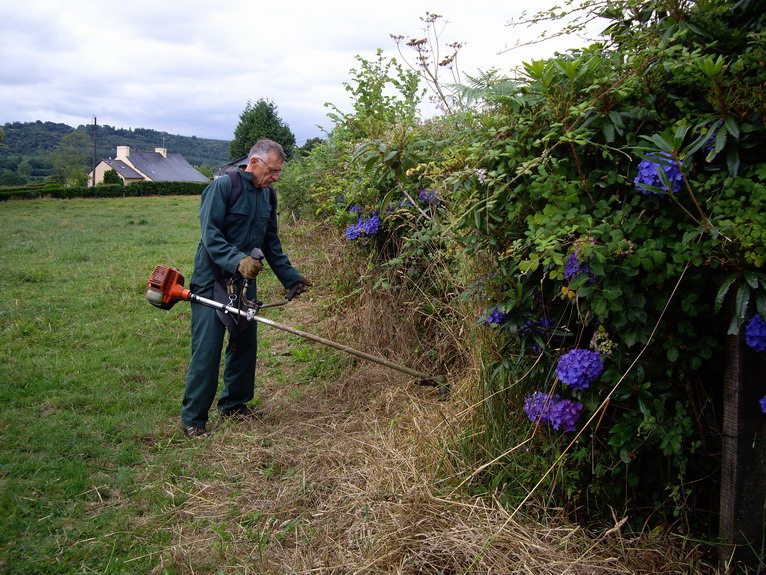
[648, 174]
[429, 197]
[563, 414]
[543, 325]
[579, 368]
[496, 316]
[763, 404]
[755, 333]
[363, 227]
[574, 267]
[352, 232]
[550, 409]
[537, 405]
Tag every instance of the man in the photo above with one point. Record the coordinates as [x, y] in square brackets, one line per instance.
[229, 234]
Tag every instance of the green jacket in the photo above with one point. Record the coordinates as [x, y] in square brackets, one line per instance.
[228, 237]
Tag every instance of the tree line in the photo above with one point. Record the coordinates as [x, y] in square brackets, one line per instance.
[31, 152]
[38, 152]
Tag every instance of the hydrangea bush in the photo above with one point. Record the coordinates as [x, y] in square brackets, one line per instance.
[618, 218]
[613, 193]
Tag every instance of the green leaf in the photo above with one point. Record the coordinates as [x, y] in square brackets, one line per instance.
[390, 156]
[752, 279]
[621, 434]
[578, 281]
[719, 144]
[680, 133]
[386, 201]
[732, 161]
[732, 127]
[743, 297]
[616, 118]
[760, 303]
[722, 291]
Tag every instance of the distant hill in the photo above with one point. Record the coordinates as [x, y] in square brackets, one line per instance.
[24, 152]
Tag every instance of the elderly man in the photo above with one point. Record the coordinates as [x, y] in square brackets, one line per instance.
[230, 231]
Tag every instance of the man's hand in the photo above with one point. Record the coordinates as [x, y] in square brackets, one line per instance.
[302, 284]
[249, 267]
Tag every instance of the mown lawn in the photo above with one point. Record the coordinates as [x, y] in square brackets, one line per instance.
[91, 378]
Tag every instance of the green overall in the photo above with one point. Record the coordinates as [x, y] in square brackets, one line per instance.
[228, 237]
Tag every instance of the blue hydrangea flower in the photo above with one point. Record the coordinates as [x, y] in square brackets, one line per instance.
[429, 197]
[363, 227]
[755, 333]
[540, 326]
[579, 368]
[352, 232]
[648, 174]
[574, 267]
[537, 405]
[563, 414]
[763, 404]
[495, 317]
[550, 409]
[372, 225]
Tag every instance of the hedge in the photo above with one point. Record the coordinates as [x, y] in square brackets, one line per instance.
[136, 189]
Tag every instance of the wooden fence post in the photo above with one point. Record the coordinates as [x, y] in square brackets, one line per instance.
[743, 462]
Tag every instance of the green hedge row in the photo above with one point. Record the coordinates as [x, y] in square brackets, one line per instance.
[136, 189]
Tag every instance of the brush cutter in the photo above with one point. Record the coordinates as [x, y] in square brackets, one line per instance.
[166, 288]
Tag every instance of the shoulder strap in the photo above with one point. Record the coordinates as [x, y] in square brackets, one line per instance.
[236, 190]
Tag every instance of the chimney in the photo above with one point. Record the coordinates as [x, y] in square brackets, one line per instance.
[162, 152]
[123, 152]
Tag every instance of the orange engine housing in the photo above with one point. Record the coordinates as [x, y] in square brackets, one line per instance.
[165, 287]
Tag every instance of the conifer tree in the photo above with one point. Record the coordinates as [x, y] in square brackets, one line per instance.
[260, 120]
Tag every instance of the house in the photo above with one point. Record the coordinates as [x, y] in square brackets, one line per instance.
[240, 163]
[156, 166]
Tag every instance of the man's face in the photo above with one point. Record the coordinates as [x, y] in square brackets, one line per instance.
[265, 172]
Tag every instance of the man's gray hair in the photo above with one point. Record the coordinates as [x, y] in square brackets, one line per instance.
[263, 148]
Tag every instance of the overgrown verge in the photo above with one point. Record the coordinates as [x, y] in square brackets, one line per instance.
[356, 471]
[599, 215]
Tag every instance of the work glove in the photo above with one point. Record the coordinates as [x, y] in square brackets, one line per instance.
[249, 267]
[303, 286]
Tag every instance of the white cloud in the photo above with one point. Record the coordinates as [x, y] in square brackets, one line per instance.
[190, 67]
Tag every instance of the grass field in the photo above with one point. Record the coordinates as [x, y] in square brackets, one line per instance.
[90, 381]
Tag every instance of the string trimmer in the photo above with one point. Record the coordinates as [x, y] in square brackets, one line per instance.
[166, 288]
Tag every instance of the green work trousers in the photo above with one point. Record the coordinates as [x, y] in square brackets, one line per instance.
[208, 334]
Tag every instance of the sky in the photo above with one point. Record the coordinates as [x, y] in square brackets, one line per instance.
[190, 67]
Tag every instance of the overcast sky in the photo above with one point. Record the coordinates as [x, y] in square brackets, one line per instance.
[189, 67]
